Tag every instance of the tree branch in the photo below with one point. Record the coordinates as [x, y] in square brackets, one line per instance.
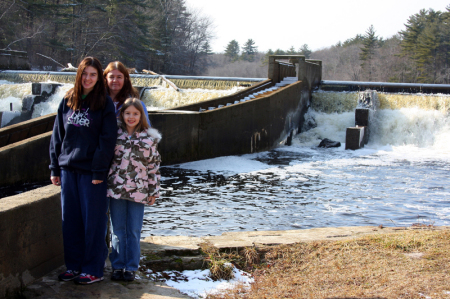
[50, 59]
[34, 34]
[14, 2]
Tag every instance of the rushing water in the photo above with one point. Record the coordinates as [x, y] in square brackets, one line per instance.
[155, 99]
[400, 178]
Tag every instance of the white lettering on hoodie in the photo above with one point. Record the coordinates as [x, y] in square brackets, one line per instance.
[79, 118]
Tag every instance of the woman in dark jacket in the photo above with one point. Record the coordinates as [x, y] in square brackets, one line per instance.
[81, 149]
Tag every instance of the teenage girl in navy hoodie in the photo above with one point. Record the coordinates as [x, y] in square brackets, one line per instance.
[81, 149]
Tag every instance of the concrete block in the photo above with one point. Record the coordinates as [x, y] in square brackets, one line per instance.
[44, 89]
[27, 102]
[362, 116]
[26, 161]
[354, 138]
[30, 230]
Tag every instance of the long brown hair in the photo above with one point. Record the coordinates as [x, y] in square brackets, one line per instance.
[143, 124]
[127, 89]
[97, 97]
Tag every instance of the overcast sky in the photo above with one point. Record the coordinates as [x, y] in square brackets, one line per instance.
[281, 24]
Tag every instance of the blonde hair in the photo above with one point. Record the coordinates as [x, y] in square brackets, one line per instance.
[136, 103]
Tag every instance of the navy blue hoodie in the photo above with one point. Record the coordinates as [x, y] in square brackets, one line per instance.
[83, 140]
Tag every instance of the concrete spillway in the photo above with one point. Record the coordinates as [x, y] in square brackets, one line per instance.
[136, 79]
[328, 85]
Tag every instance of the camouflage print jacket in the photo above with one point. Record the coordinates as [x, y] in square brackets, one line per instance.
[134, 173]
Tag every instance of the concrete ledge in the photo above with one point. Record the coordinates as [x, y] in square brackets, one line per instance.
[230, 240]
[31, 237]
[26, 129]
[26, 161]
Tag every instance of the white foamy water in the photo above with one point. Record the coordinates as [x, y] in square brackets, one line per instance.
[398, 179]
[52, 103]
[155, 99]
[163, 98]
[11, 93]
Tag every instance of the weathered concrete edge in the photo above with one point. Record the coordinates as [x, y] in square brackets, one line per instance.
[252, 238]
[26, 161]
[31, 238]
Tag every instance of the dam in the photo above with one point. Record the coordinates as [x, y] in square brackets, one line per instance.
[398, 179]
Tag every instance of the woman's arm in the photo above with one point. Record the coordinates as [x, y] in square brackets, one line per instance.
[146, 113]
[107, 140]
[56, 141]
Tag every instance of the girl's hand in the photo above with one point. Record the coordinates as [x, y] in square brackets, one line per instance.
[151, 200]
[56, 180]
[95, 182]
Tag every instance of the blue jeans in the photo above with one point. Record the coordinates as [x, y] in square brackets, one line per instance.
[84, 222]
[126, 225]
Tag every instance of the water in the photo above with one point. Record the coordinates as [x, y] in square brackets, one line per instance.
[11, 93]
[165, 98]
[400, 178]
[155, 99]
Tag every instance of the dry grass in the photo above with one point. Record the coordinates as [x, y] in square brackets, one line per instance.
[410, 264]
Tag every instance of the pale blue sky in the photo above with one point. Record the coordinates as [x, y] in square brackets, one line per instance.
[319, 23]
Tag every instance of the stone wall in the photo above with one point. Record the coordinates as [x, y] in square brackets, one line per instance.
[31, 238]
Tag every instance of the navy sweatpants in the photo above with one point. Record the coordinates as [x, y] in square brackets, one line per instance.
[84, 222]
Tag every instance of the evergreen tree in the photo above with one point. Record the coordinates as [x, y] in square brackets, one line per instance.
[232, 51]
[265, 59]
[370, 44]
[357, 40]
[248, 51]
[425, 41]
[279, 52]
[291, 51]
[304, 50]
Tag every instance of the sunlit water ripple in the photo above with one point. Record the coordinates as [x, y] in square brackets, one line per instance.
[303, 186]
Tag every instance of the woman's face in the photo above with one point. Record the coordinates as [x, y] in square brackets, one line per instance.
[131, 117]
[89, 78]
[115, 80]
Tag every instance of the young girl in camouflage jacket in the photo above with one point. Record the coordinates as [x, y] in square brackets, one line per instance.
[133, 182]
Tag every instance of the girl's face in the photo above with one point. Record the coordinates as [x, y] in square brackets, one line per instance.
[131, 117]
[115, 80]
[89, 78]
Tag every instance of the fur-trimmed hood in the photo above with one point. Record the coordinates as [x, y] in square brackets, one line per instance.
[152, 132]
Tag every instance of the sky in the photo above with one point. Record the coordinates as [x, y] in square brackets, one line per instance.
[281, 24]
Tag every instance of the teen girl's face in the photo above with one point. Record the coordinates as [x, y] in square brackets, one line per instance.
[115, 80]
[131, 117]
[89, 78]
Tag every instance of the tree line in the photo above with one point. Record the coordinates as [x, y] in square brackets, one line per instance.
[167, 37]
[418, 54]
[159, 35]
